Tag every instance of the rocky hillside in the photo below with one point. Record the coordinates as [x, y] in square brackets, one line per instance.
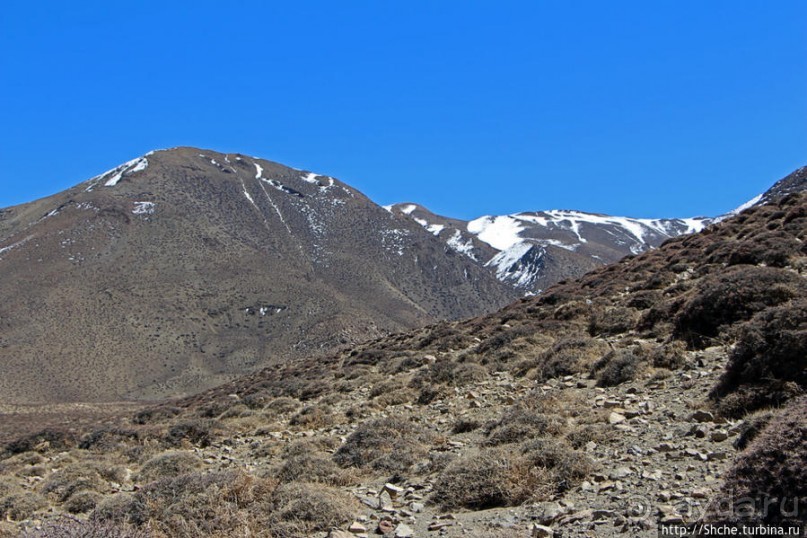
[182, 268]
[637, 395]
[533, 250]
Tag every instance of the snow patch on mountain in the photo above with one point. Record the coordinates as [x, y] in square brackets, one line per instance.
[501, 232]
[119, 172]
[511, 265]
[457, 244]
[750, 203]
[144, 208]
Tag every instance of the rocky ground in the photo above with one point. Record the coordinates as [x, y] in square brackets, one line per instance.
[604, 407]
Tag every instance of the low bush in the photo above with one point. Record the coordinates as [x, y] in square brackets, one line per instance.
[774, 468]
[769, 363]
[538, 470]
[313, 417]
[733, 295]
[196, 432]
[68, 527]
[518, 424]
[386, 444]
[48, 439]
[62, 484]
[168, 465]
[570, 355]
[313, 467]
[19, 505]
[299, 509]
[618, 366]
[612, 320]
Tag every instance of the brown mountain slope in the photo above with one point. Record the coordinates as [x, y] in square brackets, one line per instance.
[183, 268]
[604, 407]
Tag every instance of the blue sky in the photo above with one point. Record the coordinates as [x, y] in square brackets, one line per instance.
[662, 108]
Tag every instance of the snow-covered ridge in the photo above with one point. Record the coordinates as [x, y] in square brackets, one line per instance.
[750, 203]
[505, 231]
[116, 174]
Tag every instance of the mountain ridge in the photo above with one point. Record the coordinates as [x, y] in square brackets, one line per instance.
[218, 262]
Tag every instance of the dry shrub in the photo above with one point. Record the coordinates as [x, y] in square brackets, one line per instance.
[671, 356]
[769, 364]
[68, 527]
[569, 467]
[496, 477]
[586, 433]
[156, 414]
[82, 502]
[619, 366]
[490, 479]
[313, 417]
[48, 439]
[218, 504]
[283, 405]
[396, 397]
[314, 467]
[518, 424]
[195, 432]
[612, 320]
[451, 373]
[752, 426]
[168, 465]
[734, 295]
[386, 445]
[108, 439]
[465, 425]
[570, 355]
[18, 505]
[774, 249]
[62, 484]
[774, 467]
[299, 510]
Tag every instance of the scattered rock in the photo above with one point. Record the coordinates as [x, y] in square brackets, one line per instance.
[404, 531]
[702, 416]
[541, 531]
[616, 418]
[385, 526]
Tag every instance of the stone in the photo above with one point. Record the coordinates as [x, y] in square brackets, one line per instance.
[404, 531]
[385, 526]
[393, 490]
[541, 531]
[615, 418]
[719, 436]
[702, 416]
[620, 472]
[357, 528]
[338, 533]
[602, 514]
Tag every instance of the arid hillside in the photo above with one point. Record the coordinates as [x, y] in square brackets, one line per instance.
[185, 268]
[634, 396]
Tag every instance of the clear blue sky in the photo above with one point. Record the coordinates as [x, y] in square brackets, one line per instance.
[644, 108]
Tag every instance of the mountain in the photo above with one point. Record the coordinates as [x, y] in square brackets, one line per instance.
[648, 392]
[534, 250]
[179, 269]
[794, 182]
